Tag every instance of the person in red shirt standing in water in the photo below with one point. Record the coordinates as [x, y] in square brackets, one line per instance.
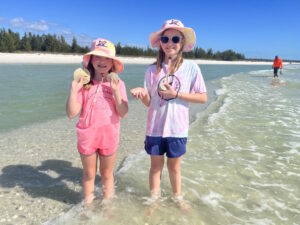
[277, 64]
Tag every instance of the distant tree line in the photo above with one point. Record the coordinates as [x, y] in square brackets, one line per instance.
[11, 42]
[228, 55]
[197, 53]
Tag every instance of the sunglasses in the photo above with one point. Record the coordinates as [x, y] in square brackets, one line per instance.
[165, 39]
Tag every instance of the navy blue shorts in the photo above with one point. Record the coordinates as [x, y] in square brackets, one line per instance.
[174, 147]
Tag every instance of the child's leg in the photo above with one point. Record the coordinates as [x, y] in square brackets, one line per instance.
[89, 164]
[107, 176]
[175, 175]
[157, 164]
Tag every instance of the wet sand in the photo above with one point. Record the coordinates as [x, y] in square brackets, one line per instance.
[40, 168]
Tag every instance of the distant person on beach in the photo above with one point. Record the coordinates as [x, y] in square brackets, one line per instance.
[277, 64]
[170, 84]
[101, 103]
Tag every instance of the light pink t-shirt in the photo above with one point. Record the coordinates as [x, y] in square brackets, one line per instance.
[99, 112]
[171, 118]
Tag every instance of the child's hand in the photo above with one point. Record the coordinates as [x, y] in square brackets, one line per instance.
[169, 93]
[138, 93]
[115, 84]
[77, 85]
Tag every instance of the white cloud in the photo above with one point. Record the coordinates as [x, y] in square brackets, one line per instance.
[83, 40]
[134, 45]
[40, 26]
[66, 32]
[17, 22]
[43, 26]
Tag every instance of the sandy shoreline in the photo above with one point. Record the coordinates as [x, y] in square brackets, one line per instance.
[8, 58]
[40, 171]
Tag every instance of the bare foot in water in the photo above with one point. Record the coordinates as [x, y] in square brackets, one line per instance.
[85, 210]
[182, 204]
[107, 207]
[150, 210]
[152, 202]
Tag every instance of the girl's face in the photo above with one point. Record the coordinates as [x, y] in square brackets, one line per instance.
[171, 42]
[102, 65]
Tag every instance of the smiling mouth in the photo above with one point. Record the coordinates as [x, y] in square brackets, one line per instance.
[102, 67]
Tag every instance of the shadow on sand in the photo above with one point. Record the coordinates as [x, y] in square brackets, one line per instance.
[49, 180]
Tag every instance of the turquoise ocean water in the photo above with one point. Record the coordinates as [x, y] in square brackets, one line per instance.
[31, 93]
[243, 160]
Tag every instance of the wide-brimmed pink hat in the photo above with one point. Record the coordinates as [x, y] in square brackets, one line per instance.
[189, 34]
[105, 48]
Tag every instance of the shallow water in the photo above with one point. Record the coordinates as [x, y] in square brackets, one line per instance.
[242, 164]
[32, 94]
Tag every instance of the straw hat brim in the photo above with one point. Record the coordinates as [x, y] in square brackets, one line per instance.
[119, 67]
[189, 36]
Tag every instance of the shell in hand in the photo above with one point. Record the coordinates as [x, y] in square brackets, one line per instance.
[113, 76]
[85, 74]
[162, 87]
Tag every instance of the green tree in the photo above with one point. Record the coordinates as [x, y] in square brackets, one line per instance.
[25, 43]
[64, 45]
[118, 48]
[75, 47]
[10, 42]
[209, 53]
[34, 42]
[3, 46]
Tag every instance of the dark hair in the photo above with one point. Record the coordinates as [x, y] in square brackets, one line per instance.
[91, 69]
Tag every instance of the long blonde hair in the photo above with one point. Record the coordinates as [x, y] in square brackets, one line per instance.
[161, 57]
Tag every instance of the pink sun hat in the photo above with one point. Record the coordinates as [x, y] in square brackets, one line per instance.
[189, 34]
[105, 48]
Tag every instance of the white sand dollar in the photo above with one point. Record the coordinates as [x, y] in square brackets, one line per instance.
[162, 87]
[113, 76]
[85, 74]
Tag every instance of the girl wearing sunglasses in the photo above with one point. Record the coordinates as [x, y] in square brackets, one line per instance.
[171, 83]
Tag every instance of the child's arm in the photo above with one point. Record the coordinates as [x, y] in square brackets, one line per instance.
[141, 93]
[73, 107]
[194, 98]
[189, 97]
[121, 105]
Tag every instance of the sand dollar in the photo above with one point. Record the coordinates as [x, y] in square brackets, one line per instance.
[85, 74]
[113, 76]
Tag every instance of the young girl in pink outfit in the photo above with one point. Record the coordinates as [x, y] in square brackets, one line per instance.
[170, 85]
[101, 103]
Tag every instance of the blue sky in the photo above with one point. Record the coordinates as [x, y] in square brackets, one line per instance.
[259, 29]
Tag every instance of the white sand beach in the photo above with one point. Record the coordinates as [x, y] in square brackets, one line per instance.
[46, 58]
[41, 179]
